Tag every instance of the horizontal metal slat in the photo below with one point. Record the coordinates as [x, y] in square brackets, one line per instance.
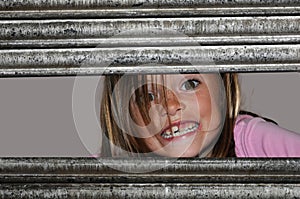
[147, 190]
[15, 4]
[150, 41]
[104, 28]
[155, 177]
[150, 178]
[148, 170]
[85, 61]
[52, 4]
[148, 12]
[30, 9]
[151, 69]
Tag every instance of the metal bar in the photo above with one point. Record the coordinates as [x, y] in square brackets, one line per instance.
[163, 165]
[147, 190]
[151, 69]
[148, 12]
[103, 28]
[87, 61]
[148, 42]
[52, 4]
[146, 170]
[34, 9]
[148, 178]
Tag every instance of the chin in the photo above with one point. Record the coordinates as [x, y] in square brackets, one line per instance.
[186, 154]
[190, 154]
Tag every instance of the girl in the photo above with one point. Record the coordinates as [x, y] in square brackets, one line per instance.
[186, 115]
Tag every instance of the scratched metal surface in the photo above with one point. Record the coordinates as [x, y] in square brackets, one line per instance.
[70, 33]
[190, 26]
[139, 8]
[94, 178]
[147, 190]
[47, 4]
[144, 41]
[86, 61]
[57, 37]
[163, 170]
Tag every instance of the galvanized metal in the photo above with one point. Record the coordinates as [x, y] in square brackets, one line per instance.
[188, 178]
[148, 42]
[103, 28]
[80, 61]
[238, 43]
[52, 4]
[36, 9]
[136, 8]
[148, 170]
[148, 12]
[147, 190]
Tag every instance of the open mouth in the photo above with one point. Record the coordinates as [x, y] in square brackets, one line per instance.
[179, 129]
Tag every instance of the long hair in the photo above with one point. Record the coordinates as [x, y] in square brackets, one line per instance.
[225, 146]
[114, 104]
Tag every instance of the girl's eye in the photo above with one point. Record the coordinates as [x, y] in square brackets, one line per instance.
[190, 84]
[151, 96]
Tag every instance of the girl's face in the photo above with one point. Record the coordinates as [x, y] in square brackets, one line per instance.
[185, 114]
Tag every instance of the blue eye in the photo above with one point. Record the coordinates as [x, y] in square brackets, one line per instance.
[190, 84]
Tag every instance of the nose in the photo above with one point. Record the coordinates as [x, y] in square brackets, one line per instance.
[172, 103]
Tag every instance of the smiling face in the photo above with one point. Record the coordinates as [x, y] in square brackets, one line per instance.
[184, 114]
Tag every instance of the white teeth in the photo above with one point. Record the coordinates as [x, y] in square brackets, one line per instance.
[176, 132]
[167, 134]
[175, 129]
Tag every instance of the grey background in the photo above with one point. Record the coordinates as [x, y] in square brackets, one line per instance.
[36, 116]
[273, 95]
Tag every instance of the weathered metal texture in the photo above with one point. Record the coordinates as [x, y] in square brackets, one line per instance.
[163, 170]
[147, 190]
[149, 12]
[61, 36]
[52, 4]
[187, 178]
[184, 59]
[146, 41]
[103, 28]
[138, 8]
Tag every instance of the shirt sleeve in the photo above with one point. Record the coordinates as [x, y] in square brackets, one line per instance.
[255, 137]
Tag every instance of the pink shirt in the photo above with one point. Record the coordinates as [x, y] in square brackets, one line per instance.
[255, 137]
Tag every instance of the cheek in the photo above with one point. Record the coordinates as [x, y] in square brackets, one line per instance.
[147, 129]
[210, 112]
[204, 106]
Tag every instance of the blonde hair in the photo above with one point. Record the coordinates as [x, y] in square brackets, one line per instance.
[115, 136]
